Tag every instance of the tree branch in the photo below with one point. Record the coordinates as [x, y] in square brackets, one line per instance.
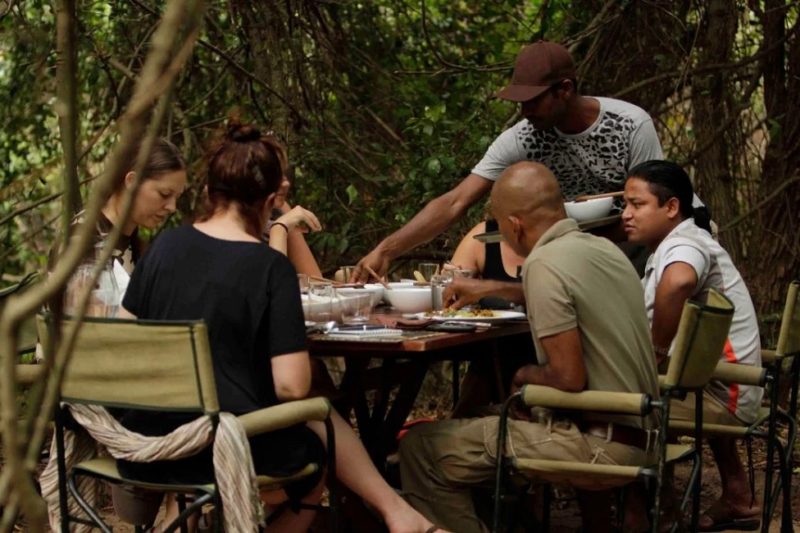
[766, 200]
[67, 106]
[448, 64]
[733, 65]
[157, 69]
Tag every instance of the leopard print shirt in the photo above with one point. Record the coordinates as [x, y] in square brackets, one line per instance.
[591, 162]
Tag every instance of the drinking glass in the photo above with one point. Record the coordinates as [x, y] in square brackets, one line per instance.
[302, 280]
[105, 296]
[428, 270]
[356, 308]
[320, 301]
[438, 284]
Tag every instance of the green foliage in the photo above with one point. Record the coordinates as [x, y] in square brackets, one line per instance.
[383, 105]
[390, 113]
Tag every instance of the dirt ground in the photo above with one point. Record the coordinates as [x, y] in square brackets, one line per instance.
[435, 401]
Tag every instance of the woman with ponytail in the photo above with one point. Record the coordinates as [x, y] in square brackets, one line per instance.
[220, 270]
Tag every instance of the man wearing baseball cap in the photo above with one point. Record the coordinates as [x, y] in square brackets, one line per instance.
[588, 142]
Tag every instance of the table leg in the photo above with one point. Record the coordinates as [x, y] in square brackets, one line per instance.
[378, 427]
[354, 394]
[380, 403]
[456, 381]
[402, 405]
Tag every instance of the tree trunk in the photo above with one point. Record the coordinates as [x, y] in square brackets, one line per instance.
[67, 106]
[712, 105]
[774, 258]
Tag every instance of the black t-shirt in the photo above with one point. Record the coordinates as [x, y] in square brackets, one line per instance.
[247, 294]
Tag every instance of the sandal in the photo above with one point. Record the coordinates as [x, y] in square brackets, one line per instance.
[722, 520]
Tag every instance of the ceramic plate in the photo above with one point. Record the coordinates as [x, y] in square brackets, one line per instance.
[497, 315]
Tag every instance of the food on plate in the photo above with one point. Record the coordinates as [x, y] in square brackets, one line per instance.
[463, 313]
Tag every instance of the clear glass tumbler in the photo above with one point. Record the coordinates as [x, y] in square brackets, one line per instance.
[356, 308]
[438, 284]
[105, 297]
[428, 270]
[320, 301]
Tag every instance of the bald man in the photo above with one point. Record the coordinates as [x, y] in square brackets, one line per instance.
[589, 325]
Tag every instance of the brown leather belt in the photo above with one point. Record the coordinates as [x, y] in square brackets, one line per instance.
[627, 435]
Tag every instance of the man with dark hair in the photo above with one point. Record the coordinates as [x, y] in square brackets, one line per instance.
[588, 142]
[571, 279]
[685, 263]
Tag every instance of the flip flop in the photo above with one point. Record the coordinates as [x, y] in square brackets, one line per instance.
[721, 520]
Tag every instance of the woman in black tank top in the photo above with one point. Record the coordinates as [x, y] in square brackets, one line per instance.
[493, 267]
[480, 384]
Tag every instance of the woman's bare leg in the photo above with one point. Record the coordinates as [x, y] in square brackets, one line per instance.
[291, 522]
[355, 470]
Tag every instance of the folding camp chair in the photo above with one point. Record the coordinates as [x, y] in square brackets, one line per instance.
[164, 367]
[27, 374]
[782, 367]
[700, 339]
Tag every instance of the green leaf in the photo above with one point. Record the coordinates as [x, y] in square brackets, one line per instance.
[434, 166]
[352, 194]
[344, 242]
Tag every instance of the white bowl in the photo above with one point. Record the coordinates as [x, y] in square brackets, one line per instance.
[589, 209]
[375, 290]
[409, 299]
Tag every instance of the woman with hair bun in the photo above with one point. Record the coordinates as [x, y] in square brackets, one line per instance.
[219, 270]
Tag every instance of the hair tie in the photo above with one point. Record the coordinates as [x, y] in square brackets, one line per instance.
[243, 134]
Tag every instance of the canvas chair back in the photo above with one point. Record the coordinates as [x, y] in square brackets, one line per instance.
[136, 364]
[699, 342]
[27, 331]
[789, 336]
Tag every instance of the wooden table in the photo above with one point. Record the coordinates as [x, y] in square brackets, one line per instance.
[403, 366]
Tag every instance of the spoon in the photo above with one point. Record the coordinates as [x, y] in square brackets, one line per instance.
[324, 329]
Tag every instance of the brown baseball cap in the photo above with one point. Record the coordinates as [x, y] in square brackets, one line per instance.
[538, 67]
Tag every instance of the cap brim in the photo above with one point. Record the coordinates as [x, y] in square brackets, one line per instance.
[521, 93]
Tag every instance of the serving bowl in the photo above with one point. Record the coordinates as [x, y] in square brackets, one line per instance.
[589, 209]
[408, 299]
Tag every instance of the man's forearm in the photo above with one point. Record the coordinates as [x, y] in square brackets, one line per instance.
[466, 291]
[507, 290]
[545, 375]
[434, 218]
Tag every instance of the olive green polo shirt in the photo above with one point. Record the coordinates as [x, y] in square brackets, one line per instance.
[577, 280]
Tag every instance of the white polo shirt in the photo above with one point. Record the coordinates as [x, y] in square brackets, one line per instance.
[689, 244]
